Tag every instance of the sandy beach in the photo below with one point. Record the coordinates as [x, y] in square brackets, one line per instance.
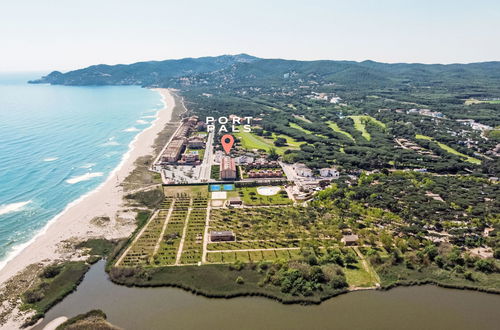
[74, 223]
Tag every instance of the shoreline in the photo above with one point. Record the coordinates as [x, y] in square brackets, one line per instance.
[105, 200]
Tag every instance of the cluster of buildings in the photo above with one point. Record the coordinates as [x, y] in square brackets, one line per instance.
[474, 125]
[426, 112]
[184, 139]
[302, 170]
[265, 173]
[332, 98]
[306, 182]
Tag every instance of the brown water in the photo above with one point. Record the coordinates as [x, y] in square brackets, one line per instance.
[419, 308]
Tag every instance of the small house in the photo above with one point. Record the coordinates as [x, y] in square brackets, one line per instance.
[350, 240]
[222, 236]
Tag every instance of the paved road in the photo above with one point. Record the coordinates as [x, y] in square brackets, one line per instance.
[208, 159]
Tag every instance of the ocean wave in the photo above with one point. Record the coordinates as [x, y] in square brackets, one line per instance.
[131, 129]
[88, 165]
[13, 207]
[50, 159]
[146, 117]
[142, 122]
[84, 177]
[110, 143]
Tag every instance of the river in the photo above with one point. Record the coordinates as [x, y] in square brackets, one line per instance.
[419, 308]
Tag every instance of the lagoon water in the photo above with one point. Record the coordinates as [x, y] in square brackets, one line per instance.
[409, 308]
[58, 143]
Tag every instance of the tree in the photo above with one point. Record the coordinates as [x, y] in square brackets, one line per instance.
[485, 265]
[280, 142]
[273, 155]
[338, 282]
[386, 241]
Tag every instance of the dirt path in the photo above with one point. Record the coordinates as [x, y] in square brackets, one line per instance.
[367, 266]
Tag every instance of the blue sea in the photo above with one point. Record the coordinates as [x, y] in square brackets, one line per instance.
[58, 143]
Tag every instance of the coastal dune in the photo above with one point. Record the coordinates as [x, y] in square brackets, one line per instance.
[75, 222]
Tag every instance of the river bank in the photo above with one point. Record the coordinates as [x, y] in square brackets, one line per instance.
[423, 307]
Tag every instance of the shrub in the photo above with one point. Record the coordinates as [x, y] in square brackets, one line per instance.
[51, 271]
[485, 265]
[33, 296]
[338, 282]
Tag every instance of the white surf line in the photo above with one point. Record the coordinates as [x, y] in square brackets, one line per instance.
[163, 229]
[136, 238]
[13, 207]
[183, 237]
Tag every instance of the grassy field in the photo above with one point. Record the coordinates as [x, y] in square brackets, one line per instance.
[292, 143]
[250, 196]
[53, 289]
[475, 101]
[251, 141]
[293, 125]
[360, 124]
[357, 276]
[337, 129]
[449, 149]
[216, 281]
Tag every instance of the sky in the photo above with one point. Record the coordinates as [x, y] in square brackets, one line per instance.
[45, 35]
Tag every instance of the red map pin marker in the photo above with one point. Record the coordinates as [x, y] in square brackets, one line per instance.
[227, 142]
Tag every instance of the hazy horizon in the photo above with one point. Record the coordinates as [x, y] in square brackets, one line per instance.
[60, 35]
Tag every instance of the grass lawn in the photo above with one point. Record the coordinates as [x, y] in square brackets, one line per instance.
[360, 124]
[194, 191]
[357, 276]
[251, 141]
[449, 149]
[337, 129]
[250, 196]
[475, 101]
[293, 125]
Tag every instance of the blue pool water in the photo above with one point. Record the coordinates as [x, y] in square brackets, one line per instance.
[228, 187]
[215, 187]
[218, 187]
[58, 143]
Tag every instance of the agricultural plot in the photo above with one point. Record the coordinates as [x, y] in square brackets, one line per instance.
[252, 256]
[268, 228]
[175, 234]
[192, 248]
[142, 249]
[169, 245]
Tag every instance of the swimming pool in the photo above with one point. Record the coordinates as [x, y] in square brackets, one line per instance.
[218, 187]
[215, 187]
[228, 187]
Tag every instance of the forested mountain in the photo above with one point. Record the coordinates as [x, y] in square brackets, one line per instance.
[246, 70]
